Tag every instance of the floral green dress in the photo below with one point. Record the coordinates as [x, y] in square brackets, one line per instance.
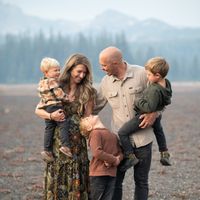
[68, 178]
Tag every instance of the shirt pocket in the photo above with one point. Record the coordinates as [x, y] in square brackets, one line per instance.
[136, 93]
[113, 99]
[135, 90]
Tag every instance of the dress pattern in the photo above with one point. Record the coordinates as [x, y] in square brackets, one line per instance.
[68, 178]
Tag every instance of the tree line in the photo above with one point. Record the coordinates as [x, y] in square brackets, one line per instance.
[20, 55]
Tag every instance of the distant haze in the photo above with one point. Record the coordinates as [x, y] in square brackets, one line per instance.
[175, 12]
[141, 30]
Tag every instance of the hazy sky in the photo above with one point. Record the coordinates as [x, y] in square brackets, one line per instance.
[174, 12]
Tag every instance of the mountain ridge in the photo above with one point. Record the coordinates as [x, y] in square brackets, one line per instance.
[14, 21]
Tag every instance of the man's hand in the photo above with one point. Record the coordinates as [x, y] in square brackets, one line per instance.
[148, 119]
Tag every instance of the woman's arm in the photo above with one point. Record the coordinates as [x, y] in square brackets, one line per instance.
[57, 115]
[42, 113]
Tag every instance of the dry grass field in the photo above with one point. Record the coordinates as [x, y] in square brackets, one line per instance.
[21, 140]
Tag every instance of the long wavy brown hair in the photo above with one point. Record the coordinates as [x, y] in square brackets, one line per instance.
[85, 91]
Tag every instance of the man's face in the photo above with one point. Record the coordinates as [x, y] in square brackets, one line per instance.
[107, 67]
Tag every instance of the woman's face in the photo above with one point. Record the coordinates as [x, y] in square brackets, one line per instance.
[78, 73]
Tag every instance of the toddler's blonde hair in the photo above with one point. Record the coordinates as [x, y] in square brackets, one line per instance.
[85, 127]
[47, 63]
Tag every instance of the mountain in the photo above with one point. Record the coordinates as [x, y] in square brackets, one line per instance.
[14, 21]
[110, 21]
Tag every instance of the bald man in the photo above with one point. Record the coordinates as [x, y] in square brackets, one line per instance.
[122, 84]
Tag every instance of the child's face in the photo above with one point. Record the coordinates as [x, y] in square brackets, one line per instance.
[90, 121]
[53, 72]
[153, 78]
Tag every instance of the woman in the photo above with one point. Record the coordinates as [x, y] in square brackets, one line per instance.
[67, 178]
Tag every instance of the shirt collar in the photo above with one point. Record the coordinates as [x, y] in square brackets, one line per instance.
[129, 73]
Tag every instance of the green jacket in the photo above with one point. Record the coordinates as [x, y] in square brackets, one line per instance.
[155, 98]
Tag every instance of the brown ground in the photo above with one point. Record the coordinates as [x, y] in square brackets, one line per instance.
[21, 139]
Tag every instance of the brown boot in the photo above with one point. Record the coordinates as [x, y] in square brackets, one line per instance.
[128, 162]
[66, 151]
[47, 156]
[164, 158]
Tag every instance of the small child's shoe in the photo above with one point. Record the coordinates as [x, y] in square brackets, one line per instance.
[47, 156]
[129, 162]
[164, 158]
[66, 151]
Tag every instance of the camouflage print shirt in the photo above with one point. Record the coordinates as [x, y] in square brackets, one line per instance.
[50, 92]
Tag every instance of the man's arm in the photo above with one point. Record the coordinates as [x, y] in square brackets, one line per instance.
[101, 101]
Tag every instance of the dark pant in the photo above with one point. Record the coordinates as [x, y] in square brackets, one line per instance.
[50, 128]
[159, 133]
[132, 127]
[102, 187]
[125, 131]
[141, 173]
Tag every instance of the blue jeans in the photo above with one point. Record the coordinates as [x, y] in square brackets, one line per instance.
[141, 173]
[102, 187]
[50, 128]
[159, 133]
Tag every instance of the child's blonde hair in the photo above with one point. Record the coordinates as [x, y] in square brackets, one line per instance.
[85, 127]
[157, 65]
[47, 63]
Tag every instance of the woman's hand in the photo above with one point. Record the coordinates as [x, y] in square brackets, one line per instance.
[148, 119]
[58, 115]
